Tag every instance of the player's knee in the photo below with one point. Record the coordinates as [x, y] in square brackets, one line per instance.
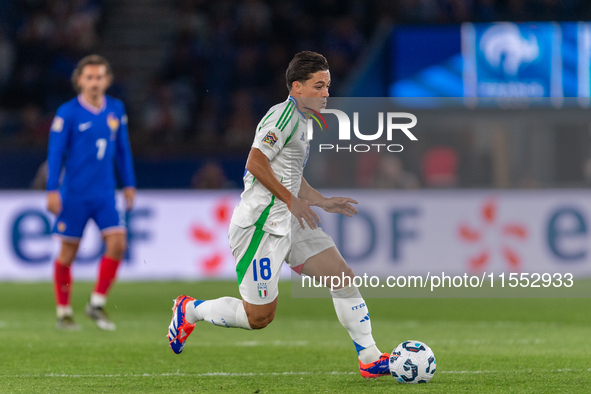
[116, 248]
[259, 324]
[261, 321]
[120, 248]
[346, 279]
[67, 254]
[66, 258]
[348, 272]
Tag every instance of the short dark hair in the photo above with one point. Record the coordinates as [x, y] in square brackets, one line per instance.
[90, 60]
[302, 65]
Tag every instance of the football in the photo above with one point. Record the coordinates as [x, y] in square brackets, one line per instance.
[412, 362]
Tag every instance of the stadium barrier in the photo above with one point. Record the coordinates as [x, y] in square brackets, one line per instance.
[183, 234]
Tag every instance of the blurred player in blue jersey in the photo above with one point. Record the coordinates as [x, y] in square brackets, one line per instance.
[88, 134]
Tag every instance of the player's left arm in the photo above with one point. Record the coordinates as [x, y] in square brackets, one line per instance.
[340, 205]
[125, 161]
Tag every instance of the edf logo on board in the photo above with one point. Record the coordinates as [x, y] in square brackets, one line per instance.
[32, 244]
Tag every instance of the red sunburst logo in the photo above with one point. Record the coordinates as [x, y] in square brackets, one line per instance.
[206, 237]
[502, 231]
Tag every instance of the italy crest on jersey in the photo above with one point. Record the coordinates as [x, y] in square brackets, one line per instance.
[262, 288]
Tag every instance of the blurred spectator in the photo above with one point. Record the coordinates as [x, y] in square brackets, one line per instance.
[241, 122]
[254, 20]
[6, 60]
[34, 127]
[367, 165]
[207, 123]
[439, 166]
[384, 171]
[390, 174]
[40, 177]
[343, 44]
[249, 71]
[80, 30]
[210, 176]
[165, 119]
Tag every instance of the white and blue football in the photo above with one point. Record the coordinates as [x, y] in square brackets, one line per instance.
[412, 362]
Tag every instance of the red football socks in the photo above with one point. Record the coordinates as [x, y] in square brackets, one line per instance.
[107, 273]
[62, 280]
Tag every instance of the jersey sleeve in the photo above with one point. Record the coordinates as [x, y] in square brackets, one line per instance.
[124, 157]
[59, 138]
[274, 130]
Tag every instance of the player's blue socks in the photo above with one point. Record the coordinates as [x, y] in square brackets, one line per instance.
[354, 316]
[224, 312]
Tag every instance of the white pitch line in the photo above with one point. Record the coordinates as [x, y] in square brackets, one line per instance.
[516, 371]
[141, 375]
[237, 374]
[271, 343]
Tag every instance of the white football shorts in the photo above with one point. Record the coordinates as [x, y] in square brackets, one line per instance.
[259, 256]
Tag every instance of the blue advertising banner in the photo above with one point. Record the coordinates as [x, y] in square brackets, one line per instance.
[493, 60]
[512, 60]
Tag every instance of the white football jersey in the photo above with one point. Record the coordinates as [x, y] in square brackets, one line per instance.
[281, 135]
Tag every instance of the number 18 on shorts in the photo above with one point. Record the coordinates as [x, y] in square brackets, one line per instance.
[259, 256]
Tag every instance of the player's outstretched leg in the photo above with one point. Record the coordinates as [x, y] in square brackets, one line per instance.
[225, 312]
[95, 308]
[256, 309]
[351, 310]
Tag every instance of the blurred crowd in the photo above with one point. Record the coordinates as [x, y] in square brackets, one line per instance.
[227, 64]
[225, 68]
[228, 60]
[40, 43]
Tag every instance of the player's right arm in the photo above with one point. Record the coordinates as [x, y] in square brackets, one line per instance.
[340, 205]
[59, 136]
[272, 135]
[258, 165]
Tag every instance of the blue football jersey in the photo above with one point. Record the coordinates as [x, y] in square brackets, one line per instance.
[87, 141]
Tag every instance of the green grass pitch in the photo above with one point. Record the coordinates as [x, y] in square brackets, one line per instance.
[481, 345]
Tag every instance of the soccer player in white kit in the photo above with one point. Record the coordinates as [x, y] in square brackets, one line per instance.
[274, 223]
